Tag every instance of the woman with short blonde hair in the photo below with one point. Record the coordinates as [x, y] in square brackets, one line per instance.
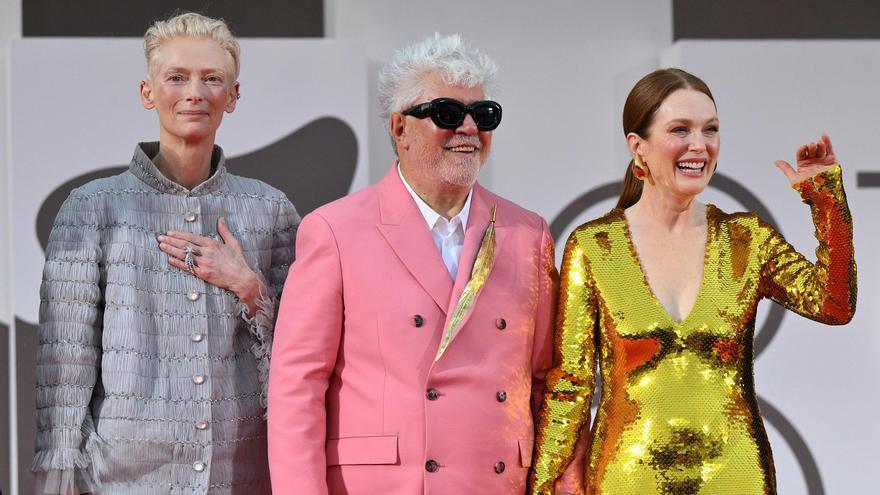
[158, 298]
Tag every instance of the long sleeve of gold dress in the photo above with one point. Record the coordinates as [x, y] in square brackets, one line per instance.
[678, 413]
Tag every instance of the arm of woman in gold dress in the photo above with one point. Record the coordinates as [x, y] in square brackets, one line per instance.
[826, 290]
[565, 413]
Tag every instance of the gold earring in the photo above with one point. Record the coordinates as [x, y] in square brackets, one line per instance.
[640, 170]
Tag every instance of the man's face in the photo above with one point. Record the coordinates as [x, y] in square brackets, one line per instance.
[452, 157]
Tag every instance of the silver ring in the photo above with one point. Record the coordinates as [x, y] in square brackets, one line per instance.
[189, 260]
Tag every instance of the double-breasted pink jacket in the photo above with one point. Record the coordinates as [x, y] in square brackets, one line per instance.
[357, 403]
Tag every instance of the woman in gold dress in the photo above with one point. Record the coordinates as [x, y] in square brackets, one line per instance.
[662, 292]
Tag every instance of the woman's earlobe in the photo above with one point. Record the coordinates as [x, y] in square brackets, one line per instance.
[234, 96]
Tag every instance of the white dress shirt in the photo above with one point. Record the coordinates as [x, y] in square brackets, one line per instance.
[448, 234]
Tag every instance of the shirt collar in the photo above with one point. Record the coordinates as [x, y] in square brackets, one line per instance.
[431, 217]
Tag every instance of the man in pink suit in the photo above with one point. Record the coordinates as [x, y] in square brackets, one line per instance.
[415, 327]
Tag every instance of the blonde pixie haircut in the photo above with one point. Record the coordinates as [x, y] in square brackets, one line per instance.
[191, 25]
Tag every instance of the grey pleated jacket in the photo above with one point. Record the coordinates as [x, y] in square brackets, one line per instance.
[150, 380]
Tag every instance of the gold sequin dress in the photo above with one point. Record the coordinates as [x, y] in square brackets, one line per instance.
[678, 413]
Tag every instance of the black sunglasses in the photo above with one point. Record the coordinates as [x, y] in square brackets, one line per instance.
[447, 113]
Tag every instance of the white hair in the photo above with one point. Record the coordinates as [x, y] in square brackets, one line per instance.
[401, 80]
[190, 25]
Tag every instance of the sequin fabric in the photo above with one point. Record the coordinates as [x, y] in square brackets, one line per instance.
[678, 413]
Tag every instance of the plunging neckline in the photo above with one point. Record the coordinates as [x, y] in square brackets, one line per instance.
[651, 294]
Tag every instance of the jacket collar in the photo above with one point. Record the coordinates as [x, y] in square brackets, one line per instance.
[405, 230]
[143, 168]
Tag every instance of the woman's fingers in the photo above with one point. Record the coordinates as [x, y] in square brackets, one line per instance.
[178, 264]
[820, 150]
[204, 264]
[172, 250]
[187, 238]
[173, 241]
[226, 234]
[803, 152]
[176, 247]
[812, 158]
[817, 150]
[210, 257]
[827, 140]
[786, 169]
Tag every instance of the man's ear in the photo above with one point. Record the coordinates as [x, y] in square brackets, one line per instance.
[147, 95]
[397, 127]
[234, 95]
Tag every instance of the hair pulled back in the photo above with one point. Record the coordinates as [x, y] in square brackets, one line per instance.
[638, 114]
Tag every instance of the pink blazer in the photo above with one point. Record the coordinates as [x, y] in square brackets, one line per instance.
[357, 404]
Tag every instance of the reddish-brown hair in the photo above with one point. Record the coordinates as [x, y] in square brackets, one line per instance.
[638, 115]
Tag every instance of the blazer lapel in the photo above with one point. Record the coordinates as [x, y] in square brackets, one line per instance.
[405, 230]
[478, 221]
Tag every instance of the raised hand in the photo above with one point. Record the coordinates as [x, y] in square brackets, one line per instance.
[812, 159]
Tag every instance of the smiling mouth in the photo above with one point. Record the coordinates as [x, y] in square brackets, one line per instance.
[691, 168]
[462, 149]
